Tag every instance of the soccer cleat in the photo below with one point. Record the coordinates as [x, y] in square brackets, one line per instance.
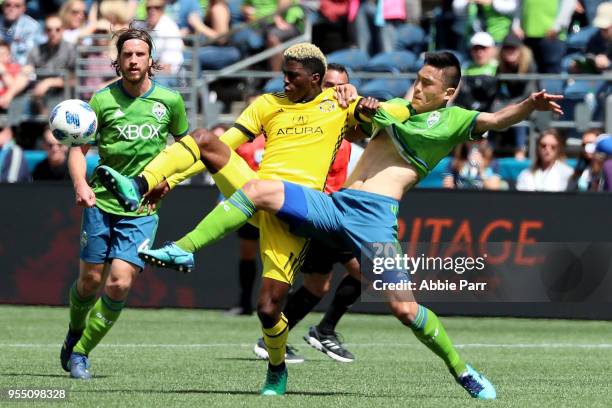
[276, 382]
[291, 357]
[72, 338]
[123, 188]
[476, 384]
[328, 344]
[168, 256]
[79, 366]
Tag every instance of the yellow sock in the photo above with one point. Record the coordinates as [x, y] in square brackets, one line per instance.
[173, 159]
[233, 175]
[275, 339]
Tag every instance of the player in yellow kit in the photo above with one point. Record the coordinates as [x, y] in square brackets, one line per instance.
[304, 128]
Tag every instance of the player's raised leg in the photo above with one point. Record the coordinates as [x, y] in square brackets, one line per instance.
[226, 217]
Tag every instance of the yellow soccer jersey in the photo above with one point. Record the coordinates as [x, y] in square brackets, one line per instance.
[301, 138]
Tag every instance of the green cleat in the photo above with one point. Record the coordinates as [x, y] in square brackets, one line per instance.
[276, 382]
[123, 188]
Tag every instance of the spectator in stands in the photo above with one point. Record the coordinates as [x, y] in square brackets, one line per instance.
[55, 56]
[585, 176]
[599, 48]
[279, 28]
[55, 165]
[13, 165]
[515, 58]
[18, 29]
[98, 72]
[548, 172]
[600, 45]
[479, 86]
[75, 21]
[473, 167]
[12, 80]
[219, 53]
[493, 16]
[167, 42]
[543, 26]
[117, 12]
[334, 26]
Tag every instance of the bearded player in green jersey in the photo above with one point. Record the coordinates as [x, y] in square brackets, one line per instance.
[135, 116]
[405, 147]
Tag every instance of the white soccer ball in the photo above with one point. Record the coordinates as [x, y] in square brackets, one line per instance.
[73, 122]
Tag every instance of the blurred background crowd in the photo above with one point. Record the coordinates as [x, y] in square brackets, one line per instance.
[52, 50]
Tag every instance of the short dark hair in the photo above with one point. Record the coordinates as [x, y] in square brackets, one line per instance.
[132, 33]
[448, 62]
[332, 66]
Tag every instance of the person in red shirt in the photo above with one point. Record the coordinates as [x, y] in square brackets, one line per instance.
[318, 265]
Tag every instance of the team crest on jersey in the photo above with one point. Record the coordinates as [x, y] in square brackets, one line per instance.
[433, 118]
[327, 105]
[159, 110]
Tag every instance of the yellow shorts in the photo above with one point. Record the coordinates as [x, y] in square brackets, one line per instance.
[282, 253]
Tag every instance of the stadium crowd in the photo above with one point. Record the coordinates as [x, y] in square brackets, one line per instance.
[38, 62]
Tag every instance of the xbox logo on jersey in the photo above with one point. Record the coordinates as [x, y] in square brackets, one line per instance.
[132, 132]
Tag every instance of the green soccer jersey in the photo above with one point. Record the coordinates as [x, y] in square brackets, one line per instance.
[132, 131]
[426, 138]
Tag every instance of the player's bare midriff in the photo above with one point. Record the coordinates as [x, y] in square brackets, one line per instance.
[382, 170]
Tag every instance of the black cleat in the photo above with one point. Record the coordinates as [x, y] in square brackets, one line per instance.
[328, 344]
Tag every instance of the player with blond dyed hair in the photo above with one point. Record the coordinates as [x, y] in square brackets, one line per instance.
[304, 127]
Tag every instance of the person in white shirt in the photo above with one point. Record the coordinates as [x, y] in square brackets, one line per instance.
[548, 172]
[167, 41]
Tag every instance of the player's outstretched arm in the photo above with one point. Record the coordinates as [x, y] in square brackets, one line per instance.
[77, 166]
[515, 113]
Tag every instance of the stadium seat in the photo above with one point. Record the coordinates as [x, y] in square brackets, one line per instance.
[385, 89]
[274, 85]
[554, 86]
[410, 38]
[577, 42]
[394, 61]
[352, 58]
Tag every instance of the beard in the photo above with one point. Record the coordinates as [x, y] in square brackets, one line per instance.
[134, 78]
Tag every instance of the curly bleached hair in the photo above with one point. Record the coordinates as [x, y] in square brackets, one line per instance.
[309, 55]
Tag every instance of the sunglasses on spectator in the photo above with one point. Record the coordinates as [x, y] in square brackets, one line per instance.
[53, 29]
[78, 11]
[14, 5]
[154, 8]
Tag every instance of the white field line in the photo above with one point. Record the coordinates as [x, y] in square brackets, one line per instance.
[349, 345]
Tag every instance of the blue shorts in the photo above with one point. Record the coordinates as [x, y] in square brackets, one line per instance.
[347, 219]
[107, 236]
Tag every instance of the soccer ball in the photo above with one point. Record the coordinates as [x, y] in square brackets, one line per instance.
[73, 122]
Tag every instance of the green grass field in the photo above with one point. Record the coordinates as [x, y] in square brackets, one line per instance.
[201, 358]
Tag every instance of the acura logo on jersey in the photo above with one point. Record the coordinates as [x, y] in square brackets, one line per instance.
[133, 132]
[299, 130]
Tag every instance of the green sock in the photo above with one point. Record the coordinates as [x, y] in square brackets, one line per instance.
[429, 330]
[226, 217]
[104, 314]
[79, 308]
